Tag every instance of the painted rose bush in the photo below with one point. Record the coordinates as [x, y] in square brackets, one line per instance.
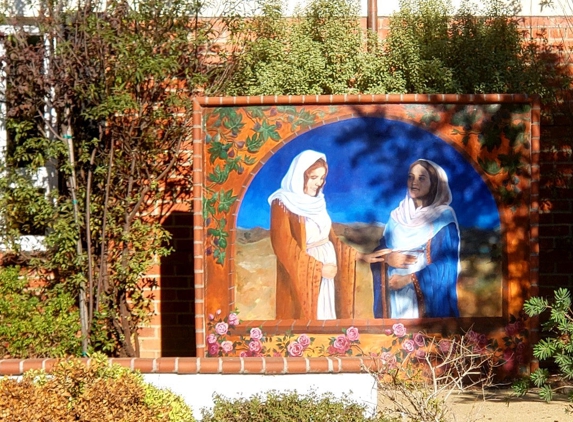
[219, 341]
[345, 344]
[291, 345]
[255, 344]
[403, 347]
[397, 347]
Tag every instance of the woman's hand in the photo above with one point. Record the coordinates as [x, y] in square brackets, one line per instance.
[398, 282]
[329, 270]
[400, 260]
[376, 256]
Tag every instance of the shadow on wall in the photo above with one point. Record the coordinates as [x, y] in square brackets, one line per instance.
[177, 313]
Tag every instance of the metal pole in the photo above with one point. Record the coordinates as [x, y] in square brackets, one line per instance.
[372, 16]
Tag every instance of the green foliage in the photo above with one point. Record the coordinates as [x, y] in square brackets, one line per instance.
[321, 50]
[556, 347]
[119, 83]
[289, 406]
[435, 48]
[36, 321]
[74, 391]
[430, 48]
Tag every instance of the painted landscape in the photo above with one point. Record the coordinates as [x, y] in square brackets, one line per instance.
[479, 284]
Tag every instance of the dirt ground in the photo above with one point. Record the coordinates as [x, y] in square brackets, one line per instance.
[500, 405]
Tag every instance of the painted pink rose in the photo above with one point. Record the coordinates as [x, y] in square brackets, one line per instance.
[509, 360]
[511, 330]
[352, 334]
[304, 340]
[233, 319]
[409, 345]
[221, 328]
[256, 333]
[420, 354]
[332, 350]
[388, 332]
[218, 312]
[255, 346]
[399, 330]
[419, 339]
[482, 340]
[211, 317]
[472, 336]
[519, 325]
[341, 344]
[295, 349]
[445, 345]
[214, 349]
[227, 346]
[211, 338]
[244, 354]
[389, 360]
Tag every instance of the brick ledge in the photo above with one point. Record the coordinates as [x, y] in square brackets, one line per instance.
[226, 365]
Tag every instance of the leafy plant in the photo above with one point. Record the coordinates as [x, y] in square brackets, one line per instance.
[556, 347]
[288, 406]
[102, 97]
[36, 321]
[76, 391]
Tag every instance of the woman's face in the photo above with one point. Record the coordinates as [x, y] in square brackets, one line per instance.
[419, 184]
[315, 181]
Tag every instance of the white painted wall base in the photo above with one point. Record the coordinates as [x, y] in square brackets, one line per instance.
[197, 389]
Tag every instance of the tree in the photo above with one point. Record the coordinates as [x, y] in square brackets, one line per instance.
[104, 96]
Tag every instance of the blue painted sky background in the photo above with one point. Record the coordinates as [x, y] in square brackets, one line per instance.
[368, 161]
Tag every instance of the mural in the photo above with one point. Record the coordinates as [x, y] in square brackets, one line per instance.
[365, 197]
[365, 215]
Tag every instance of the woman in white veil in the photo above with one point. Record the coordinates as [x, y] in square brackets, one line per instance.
[421, 273]
[315, 271]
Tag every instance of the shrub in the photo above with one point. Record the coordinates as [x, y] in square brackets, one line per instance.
[557, 347]
[96, 392]
[288, 406]
[36, 322]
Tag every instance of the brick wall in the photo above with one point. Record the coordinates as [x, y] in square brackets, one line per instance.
[171, 332]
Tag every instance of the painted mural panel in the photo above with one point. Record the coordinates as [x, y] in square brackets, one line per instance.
[320, 218]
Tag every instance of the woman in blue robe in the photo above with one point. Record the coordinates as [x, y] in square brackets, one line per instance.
[419, 251]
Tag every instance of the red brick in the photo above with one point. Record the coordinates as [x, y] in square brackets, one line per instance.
[187, 365]
[275, 365]
[209, 365]
[253, 366]
[353, 364]
[125, 362]
[297, 365]
[232, 365]
[28, 364]
[10, 367]
[318, 365]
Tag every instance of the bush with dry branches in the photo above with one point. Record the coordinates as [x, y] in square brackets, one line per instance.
[418, 388]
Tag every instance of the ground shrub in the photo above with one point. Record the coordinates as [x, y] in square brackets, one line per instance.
[35, 322]
[555, 347]
[288, 406]
[97, 392]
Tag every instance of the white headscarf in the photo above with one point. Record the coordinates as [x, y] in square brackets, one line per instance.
[410, 228]
[407, 215]
[291, 192]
